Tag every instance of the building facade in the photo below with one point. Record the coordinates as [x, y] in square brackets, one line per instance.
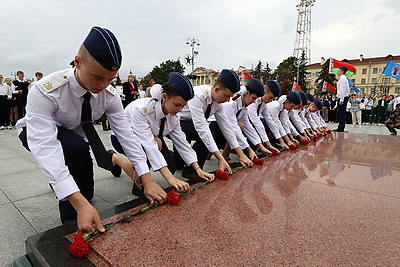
[368, 78]
[208, 76]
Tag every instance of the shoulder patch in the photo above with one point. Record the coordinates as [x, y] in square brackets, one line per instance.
[148, 109]
[54, 82]
[204, 95]
[111, 89]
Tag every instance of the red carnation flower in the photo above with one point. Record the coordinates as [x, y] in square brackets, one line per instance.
[314, 138]
[274, 152]
[257, 161]
[173, 197]
[305, 142]
[329, 131]
[293, 147]
[80, 247]
[221, 174]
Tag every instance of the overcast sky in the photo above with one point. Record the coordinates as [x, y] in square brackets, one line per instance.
[44, 35]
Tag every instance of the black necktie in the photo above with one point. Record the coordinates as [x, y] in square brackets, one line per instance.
[238, 112]
[103, 159]
[258, 109]
[208, 111]
[162, 124]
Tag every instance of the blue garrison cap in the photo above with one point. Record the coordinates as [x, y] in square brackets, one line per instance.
[181, 84]
[303, 97]
[344, 68]
[274, 87]
[104, 48]
[258, 87]
[318, 103]
[310, 97]
[294, 97]
[230, 79]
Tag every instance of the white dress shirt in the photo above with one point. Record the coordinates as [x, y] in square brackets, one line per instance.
[5, 90]
[310, 119]
[343, 88]
[195, 111]
[235, 110]
[275, 108]
[144, 116]
[302, 115]
[56, 100]
[296, 120]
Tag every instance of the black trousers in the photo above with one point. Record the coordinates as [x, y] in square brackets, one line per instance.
[169, 156]
[342, 114]
[199, 147]
[5, 108]
[80, 165]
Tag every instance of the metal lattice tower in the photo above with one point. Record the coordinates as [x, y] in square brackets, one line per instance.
[303, 30]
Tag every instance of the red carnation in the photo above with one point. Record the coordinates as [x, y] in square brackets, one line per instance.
[305, 142]
[221, 174]
[80, 247]
[274, 152]
[173, 197]
[314, 138]
[257, 161]
[293, 147]
[329, 131]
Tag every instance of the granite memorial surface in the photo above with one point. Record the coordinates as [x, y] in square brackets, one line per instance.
[333, 202]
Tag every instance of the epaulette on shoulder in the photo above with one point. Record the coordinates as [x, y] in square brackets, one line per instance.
[148, 108]
[53, 82]
[111, 89]
[204, 95]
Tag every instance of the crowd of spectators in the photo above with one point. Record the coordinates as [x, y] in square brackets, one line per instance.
[362, 109]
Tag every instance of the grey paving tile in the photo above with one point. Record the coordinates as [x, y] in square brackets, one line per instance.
[40, 211]
[14, 229]
[3, 198]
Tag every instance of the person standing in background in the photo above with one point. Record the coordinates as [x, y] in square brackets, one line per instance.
[343, 92]
[366, 114]
[130, 90]
[21, 87]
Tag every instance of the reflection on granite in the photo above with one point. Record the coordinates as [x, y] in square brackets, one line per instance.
[334, 202]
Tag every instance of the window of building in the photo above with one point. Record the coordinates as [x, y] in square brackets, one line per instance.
[398, 80]
[363, 81]
[317, 73]
[373, 90]
[364, 71]
[386, 80]
[315, 83]
[375, 70]
[361, 90]
[353, 80]
[374, 80]
[397, 90]
[385, 90]
[308, 84]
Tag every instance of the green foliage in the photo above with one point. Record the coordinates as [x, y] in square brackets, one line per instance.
[257, 73]
[160, 73]
[324, 75]
[302, 72]
[285, 73]
[267, 73]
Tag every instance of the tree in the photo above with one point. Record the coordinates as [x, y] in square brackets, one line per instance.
[267, 73]
[302, 72]
[160, 73]
[285, 73]
[324, 75]
[257, 73]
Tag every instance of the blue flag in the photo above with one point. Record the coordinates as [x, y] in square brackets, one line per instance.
[392, 69]
[351, 85]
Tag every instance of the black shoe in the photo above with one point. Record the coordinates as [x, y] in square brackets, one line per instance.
[137, 191]
[337, 130]
[116, 169]
[189, 173]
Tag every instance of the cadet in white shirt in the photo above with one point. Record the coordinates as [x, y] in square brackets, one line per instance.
[53, 132]
[278, 111]
[153, 118]
[236, 109]
[206, 102]
[258, 114]
[295, 119]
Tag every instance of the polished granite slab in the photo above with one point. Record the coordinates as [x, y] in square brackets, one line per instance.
[333, 202]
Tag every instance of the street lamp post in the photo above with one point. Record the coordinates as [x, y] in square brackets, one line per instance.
[189, 59]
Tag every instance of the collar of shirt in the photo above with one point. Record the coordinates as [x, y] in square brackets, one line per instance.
[158, 109]
[21, 81]
[77, 89]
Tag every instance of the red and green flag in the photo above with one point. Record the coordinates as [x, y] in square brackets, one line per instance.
[336, 64]
[296, 87]
[327, 87]
[246, 77]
